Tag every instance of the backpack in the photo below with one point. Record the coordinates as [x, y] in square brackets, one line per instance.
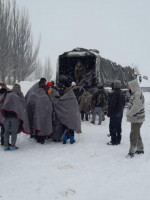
[100, 99]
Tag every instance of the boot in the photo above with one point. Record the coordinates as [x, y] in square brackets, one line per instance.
[130, 155]
[139, 152]
[72, 140]
[119, 139]
[65, 139]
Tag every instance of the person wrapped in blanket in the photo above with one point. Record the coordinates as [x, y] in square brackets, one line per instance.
[13, 115]
[67, 112]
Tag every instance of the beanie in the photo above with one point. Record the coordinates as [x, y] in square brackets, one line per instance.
[49, 84]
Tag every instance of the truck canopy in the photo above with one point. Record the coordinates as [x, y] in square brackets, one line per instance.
[96, 69]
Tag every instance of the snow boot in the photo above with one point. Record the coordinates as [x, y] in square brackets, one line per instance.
[130, 155]
[109, 143]
[65, 139]
[72, 140]
[6, 148]
[13, 148]
[139, 152]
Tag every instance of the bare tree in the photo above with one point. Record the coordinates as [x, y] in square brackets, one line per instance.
[18, 55]
[38, 73]
[23, 54]
[5, 22]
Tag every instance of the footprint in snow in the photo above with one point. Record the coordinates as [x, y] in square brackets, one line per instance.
[68, 192]
[65, 167]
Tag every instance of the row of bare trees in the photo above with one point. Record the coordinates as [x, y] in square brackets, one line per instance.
[18, 55]
[42, 70]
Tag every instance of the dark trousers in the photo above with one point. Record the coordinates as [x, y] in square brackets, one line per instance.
[39, 139]
[115, 128]
[82, 115]
[2, 134]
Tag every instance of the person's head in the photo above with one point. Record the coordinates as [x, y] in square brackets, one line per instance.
[112, 85]
[117, 84]
[66, 83]
[133, 85]
[100, 85]
[3, 84]
[49, 84]
[78, 63]
[43, 80]
[42, 84]
[16, 86]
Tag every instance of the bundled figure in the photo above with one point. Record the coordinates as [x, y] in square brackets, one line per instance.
[14, 116]
[40, 111]
[67, 112]
[34, 88]
[135, 115]
[85, 102]
[116, 103]
[99, 100]
[3, 91]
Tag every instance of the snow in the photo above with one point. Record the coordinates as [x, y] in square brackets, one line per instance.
[145, 83]
[86, 170]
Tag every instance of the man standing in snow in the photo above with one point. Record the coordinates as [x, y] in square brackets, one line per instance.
[116, 103]
[135, 115]
[85, 102]
[99, 101]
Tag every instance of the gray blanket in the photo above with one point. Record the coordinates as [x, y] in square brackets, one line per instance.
[31, 90]
[14, 101]
[67, 111]
[40, 110]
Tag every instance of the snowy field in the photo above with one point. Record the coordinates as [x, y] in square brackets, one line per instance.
[86, 170]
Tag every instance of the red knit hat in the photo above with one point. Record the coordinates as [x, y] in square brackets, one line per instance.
[49, 84]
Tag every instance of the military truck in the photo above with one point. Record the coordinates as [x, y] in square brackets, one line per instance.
[87, 68]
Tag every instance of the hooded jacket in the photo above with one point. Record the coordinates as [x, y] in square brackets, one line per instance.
[85, 101]
[136, 107]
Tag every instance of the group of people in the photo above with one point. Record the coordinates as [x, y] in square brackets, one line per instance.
[46, 111]
[112, 104]
[56, 112]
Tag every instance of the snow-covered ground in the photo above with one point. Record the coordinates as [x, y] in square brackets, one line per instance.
[86, 170]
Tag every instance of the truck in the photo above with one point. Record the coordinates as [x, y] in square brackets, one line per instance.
[92, 69]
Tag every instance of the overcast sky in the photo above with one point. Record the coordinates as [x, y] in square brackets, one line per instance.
[119, 29]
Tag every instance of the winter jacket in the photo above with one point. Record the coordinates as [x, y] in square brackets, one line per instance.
[85, 101]
[99, 98]
[116, 102]
[136, 108]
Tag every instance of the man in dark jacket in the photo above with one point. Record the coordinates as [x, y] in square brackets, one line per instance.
[116, 103]
[98, 100]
